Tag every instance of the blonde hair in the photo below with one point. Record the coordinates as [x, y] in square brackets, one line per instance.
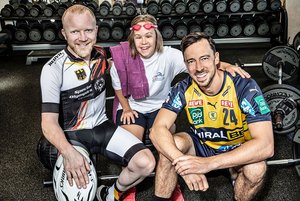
[77, 9]
[159, 39]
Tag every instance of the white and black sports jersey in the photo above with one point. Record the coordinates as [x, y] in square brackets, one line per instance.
[75, 89]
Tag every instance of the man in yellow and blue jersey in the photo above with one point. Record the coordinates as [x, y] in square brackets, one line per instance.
[230, 125]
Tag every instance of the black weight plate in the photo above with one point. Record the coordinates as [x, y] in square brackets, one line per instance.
[35, 35]
[208, 7]
[261, 5]
[249, 30]
[296, 42]
[236, 30]
[166, 8]
[222, 30]
[235, 6]
[285, 54]
[274, 95]
[221, 6]
[104, 33]
[49, 35]
[167, 32]
[180, 8]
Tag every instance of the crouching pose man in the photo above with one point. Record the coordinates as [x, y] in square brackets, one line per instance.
[230, 126]
[73, 109]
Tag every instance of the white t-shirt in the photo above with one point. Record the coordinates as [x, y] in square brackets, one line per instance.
[160, 70]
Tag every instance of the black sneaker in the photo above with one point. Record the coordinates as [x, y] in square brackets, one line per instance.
[102, 193]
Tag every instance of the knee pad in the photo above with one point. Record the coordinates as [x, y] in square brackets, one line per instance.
[47, 153]
[62, 189]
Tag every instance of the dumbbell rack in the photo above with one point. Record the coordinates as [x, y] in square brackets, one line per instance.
[173, 18]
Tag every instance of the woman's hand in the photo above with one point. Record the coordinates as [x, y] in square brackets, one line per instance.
[233, 69]
[128, 116]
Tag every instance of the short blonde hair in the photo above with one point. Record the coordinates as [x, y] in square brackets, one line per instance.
[77, 9]
[159, 39]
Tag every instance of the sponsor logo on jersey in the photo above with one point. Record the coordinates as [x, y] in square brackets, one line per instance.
[232, 135]
[212, 115]
[253, 90]
[158, 77]
[194, 103]
[176, 102]
[262, 105]
[212, 135]
[227, 103]
[247, 107]
[57, 56]
[213, 105]
[81, 74]
[99, 84]
[197, 115]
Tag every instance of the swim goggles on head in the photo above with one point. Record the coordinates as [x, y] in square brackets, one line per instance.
[147, 26]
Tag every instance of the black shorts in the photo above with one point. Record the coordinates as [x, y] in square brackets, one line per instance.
[107, 139]
[144, 120]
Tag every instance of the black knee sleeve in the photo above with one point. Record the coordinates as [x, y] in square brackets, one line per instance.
[47, 153]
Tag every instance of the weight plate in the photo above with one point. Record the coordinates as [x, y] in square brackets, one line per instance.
[104, 33]
[275, 96]
[296, 42]
[20, 35]
[275, 5]
[116, 11]
[261, 5]
[248, 6]
[249, 29]
[193, 8]
[180, 8]
[222, 30]
[263, 29]
[281, 54]
[117, 33]
[130, 10]
[152, 9]
[236, 30]
[208, 7]
[35, 35]
[181, 31]
[235, 6]
[103, 11]
[49, 35]
[166, 8]
[167, 32]
[221, 6]
[209, 30]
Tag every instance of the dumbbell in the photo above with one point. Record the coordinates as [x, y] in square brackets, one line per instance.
[62, 7]
[117, 31]
[166, 7]
[104, 8]
[261, 5]
[130, 8]
[117, 8]
[194, 26]
[22, 30]
[167, 29]
[207, 6]
[248, 25]
[221, 6]
[50, 30]
[262, 26]
[275, 25]
[222, 28]
[23, 9]
[9, 10]
[248, 5]
[92, 5]
[37, 9]
[193, 6]
[152, 7]
[51, 9]
[36, 30]
[275, 5]
[104, 31]
[207, 26]
[235, 27]
[179, 6]
[234, 5]
[181, 29]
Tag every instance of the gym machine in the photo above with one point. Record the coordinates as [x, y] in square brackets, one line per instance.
[281, 63]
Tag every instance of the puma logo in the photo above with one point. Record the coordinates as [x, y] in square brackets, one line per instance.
[214, 105]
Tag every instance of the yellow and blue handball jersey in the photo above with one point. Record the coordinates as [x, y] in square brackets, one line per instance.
[219, 123]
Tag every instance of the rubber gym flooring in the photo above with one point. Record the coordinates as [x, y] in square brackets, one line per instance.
[22, 175]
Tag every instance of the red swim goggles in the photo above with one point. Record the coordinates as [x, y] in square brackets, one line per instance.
[147, 26]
